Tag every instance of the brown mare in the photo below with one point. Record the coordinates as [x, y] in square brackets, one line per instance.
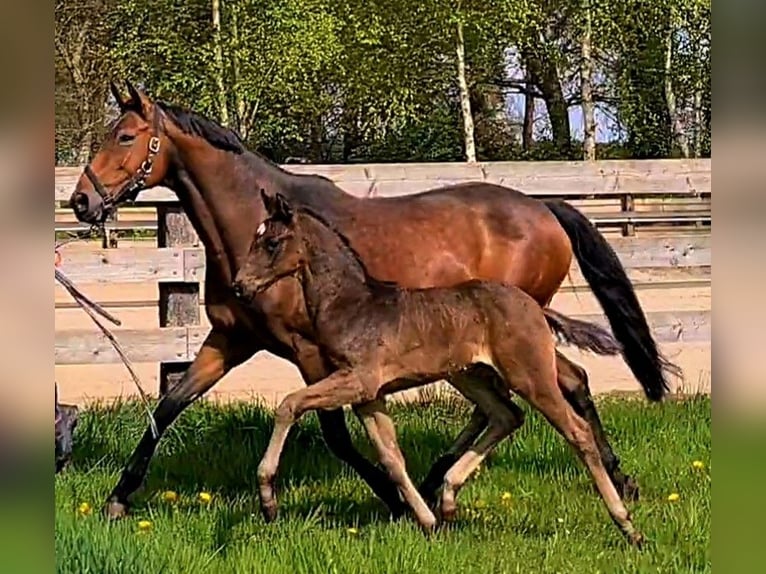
[435, 238]
[380, 338]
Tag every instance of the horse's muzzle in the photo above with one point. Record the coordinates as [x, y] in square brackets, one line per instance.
[87, 207]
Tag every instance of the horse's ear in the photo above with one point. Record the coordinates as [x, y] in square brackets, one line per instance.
[284, 210]
[139, 103]
[269, 202]
[277, 206]
[117, 96]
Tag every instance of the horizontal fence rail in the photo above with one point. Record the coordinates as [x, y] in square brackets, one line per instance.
[570, 179]
[180, 344]
[142, 265]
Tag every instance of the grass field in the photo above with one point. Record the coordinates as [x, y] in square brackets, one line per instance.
[531, 508]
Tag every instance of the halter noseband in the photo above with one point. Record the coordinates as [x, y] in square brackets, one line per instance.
[135, 183]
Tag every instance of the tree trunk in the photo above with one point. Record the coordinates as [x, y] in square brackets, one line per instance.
[676, 126]
[586, 86]
[698, 121]
[528, 128]
[239, 102]
[465, 101]
[546, 77]
[219, 72]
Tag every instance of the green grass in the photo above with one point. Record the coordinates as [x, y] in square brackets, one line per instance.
[554, 522]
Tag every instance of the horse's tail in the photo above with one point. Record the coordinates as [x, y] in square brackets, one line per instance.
[582, 334]
[607, 279]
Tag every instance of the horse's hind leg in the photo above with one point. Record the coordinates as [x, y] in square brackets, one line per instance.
[464, 440]
[380, 429]
[573, 381]
[504, 418]
[535, 380]
[478, 423]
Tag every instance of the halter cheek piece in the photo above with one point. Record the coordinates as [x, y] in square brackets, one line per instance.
[135, 183]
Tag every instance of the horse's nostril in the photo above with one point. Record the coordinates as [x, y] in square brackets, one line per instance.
[79, 202]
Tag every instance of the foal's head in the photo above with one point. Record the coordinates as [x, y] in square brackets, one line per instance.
[277, 250]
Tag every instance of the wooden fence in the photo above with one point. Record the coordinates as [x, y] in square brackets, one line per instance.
[659, 212]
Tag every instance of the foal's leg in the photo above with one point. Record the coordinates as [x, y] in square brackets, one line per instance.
[471, 432]
[573, 381]
[464, 440]
[533, 376]
[504, 418]
[338, 439]
[218, 354]
[380, 429]
[341, 388]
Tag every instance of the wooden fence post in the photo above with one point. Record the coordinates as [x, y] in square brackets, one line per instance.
[179, 301]
[628, 205]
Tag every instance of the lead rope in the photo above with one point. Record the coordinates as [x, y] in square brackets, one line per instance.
[92, 309]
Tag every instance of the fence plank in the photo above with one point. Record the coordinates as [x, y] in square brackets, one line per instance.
[180, 344]
[87, 346]
[561, 179]
[174, 264]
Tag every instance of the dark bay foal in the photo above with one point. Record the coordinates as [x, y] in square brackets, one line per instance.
[382, 338]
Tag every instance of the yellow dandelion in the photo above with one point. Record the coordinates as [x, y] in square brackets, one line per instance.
[170, 496]
[205, 497]
[506, 497]
[698, 465]
[673, 497]
[353, 531]
[84, 509]
[144, 525]
[480, 504]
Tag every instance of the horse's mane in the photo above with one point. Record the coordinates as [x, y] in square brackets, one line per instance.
[196, 124]
[373, 282]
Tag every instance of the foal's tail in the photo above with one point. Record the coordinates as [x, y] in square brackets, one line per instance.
[582, 334]
[606, 277]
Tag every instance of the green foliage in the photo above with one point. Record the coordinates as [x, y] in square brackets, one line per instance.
[376, 80]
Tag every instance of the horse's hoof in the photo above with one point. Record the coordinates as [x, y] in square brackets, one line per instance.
[114, 509]
[636, 539]
[269, 512]
[448, 512]
[630, 490]
[429, 527]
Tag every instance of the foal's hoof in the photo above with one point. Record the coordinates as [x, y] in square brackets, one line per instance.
[114, 509]
[448, 512]
[269, 511]
[636, 539]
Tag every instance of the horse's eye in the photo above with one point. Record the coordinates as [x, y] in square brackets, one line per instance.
[272, 243]
[125, 139]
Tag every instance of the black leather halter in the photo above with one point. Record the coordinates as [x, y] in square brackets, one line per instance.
[136, 183]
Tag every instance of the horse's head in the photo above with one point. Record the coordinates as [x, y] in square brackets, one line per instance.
[277, 249]
[135, 155]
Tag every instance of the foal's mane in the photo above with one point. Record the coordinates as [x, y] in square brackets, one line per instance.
[372, 282]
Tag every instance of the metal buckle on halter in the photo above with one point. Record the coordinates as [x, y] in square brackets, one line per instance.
[154, 144]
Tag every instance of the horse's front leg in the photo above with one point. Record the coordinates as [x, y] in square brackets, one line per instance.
[340, 388]
[220, 352]
[337, 438]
